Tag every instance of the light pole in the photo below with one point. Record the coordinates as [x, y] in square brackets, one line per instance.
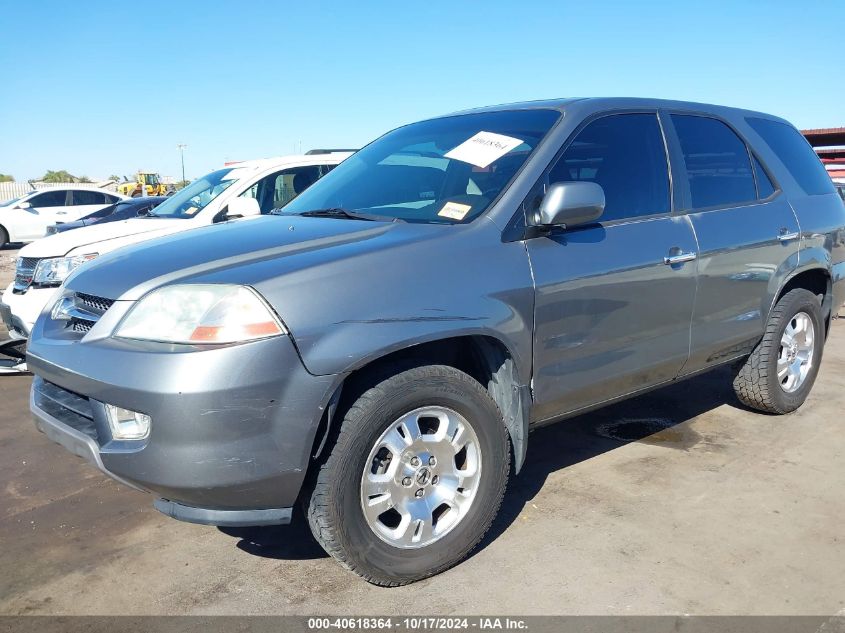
[181, 147]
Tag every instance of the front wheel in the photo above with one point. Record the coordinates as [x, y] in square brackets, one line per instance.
[779, 374]
[4, 237]
[415, 478]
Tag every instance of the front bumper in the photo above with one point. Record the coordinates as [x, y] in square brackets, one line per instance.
[232, 427]
[20, 311]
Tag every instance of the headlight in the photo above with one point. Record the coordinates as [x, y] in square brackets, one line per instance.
[53, 271]
[201, 313]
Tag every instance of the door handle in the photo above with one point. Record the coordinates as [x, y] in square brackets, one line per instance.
[786, 236]
[680, 258]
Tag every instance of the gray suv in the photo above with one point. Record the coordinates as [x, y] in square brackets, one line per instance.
[380, 350]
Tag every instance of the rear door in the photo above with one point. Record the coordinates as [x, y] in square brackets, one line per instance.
[748, 237]
[83, 202]
[611, 316]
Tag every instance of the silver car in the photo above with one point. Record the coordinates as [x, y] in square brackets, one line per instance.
[380, 350]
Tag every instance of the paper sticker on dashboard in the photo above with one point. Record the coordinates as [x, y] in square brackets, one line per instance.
[483, 148]
[454, 211]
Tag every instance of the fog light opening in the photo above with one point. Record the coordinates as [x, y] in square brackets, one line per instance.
[126, 424]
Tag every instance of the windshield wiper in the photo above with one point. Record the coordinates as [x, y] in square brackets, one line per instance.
[347, 214]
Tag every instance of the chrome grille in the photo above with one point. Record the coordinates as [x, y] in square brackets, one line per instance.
[95, 304]
[24, 270]
[83, 326]
[82, 311]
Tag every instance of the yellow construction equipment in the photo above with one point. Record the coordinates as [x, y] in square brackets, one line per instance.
[146, 184]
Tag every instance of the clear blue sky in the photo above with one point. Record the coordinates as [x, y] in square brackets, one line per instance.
[99, 88]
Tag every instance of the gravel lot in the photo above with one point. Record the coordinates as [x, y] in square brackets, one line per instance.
[679, 501]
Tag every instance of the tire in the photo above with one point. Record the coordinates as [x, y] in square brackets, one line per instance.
[4, 237]
[757, 383]
[335, 506]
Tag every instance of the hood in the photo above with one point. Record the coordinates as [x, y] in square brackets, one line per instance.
[244, 251]
[95, 238]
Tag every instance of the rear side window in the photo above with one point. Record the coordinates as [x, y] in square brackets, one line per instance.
[625, 154]
[717, 162]
[795, 153]
[88, 197]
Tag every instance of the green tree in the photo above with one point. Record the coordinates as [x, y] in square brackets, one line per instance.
[58, 176]
[114, 177]
[84, 179]
[6, 178]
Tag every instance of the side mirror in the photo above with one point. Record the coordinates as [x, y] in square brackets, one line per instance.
[568, 204]
[25, 205]
[242, 208]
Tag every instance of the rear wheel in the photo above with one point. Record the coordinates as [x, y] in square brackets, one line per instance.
[415, 478]
[779, 374]
[4, 237]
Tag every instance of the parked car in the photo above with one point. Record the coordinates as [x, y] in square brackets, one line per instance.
[381, 350]
[26, 218]
[247, 188]
[840, 189]
[121, 210]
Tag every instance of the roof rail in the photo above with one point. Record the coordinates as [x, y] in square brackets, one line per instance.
[312, 152]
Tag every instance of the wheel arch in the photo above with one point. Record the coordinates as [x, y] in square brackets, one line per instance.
[484, 357]
[817, 279]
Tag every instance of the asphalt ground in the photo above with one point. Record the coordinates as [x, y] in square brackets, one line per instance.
[679, 501]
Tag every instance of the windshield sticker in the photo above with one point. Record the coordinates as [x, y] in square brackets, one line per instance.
[191, 211]
[483, 148]
[454, 211]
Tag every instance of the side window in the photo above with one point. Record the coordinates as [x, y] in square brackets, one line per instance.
[795, 153]
[624, 153]
[49, 199]
[276, 190]
[292, 182]
[717, 162]
[81, 196]
[765, 188]
[110, 199]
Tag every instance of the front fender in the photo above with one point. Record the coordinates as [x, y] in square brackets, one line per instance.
[359, 310]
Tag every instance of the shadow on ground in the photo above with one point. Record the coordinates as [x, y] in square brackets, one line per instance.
[550, 449]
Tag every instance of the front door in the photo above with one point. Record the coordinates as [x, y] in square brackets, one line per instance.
[612, 315]
[33, 222]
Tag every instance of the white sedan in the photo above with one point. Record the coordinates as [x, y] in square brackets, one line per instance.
[26, 218]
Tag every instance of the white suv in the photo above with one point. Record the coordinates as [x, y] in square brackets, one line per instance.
[26, 218]
[244, 189]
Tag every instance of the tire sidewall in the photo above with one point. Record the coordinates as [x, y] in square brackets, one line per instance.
[402, 396]
[800, 301]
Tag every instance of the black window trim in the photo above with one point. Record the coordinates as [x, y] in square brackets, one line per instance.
[520, 229]
[52, 190]
[682, 169]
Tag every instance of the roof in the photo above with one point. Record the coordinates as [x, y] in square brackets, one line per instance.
[46, 186]
[601, 103]
[292, 159]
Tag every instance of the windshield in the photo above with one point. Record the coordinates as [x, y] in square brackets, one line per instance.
[9, 203]
[196, 196]
[445, 170]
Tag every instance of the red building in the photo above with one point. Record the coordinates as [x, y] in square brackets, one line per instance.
[829, 144]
